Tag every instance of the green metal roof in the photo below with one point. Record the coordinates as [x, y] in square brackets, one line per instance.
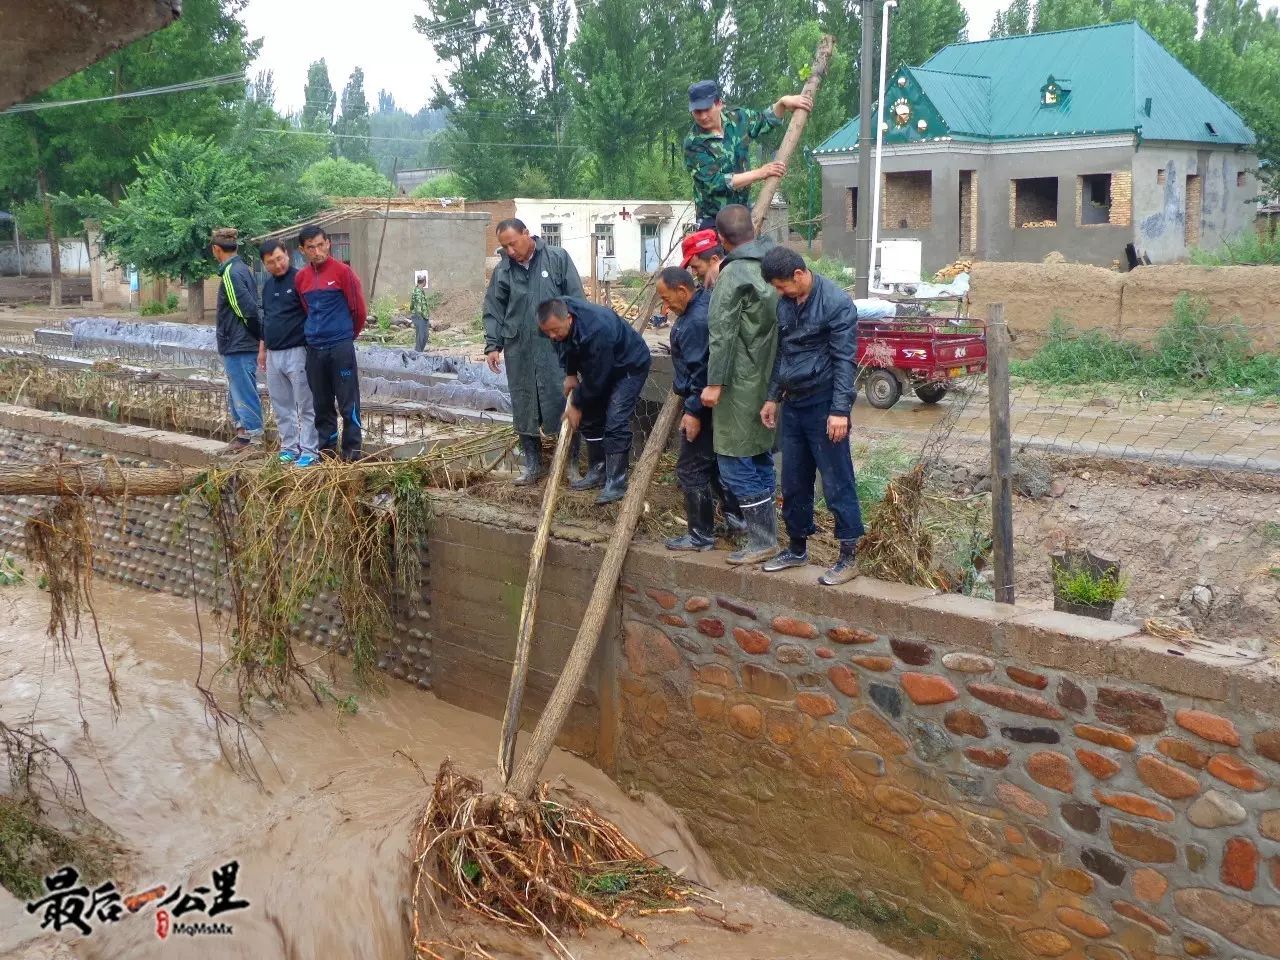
[992, 90]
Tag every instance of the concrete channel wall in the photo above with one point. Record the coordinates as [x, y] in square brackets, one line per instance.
[1035, 784]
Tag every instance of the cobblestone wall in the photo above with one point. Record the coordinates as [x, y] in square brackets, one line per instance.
[140, 542]
[1042, 785]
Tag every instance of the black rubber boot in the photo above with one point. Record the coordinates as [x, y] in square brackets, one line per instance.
[845, 568]
[762, 534]
[594, 477]
[615, 477]
[734, 523]
[533, 470]
[700, 510]
[796, 555]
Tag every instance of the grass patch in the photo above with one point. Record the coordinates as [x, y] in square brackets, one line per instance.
[1248, 249]
[1083, 586]
[832, 269]
[31, 849]
[1270, 531]
[875, 464]
[920, 935]
[1189, 352]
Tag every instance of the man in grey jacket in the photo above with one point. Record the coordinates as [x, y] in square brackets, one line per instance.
[238, 333]
[528, 274]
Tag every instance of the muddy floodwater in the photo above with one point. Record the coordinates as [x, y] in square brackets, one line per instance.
[323, 850]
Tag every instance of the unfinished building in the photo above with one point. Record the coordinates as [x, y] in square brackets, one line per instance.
[1079, 141]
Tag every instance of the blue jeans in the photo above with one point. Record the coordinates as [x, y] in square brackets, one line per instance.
[243, 401]
[807, 451]
[750, 479]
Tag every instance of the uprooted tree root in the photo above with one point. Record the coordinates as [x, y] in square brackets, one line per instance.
[543, 866]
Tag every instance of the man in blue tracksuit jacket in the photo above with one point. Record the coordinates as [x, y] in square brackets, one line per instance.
[606, 364]
[238, 331]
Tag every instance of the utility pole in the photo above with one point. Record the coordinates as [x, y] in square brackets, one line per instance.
[866, 147]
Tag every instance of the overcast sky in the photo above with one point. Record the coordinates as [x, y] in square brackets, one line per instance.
[379, 36]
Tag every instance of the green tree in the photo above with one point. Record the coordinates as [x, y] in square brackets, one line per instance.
[504, 89]
[352, 128]
[340, 177]
[444, 185]
[91, 147]
[185, 188]
[1013, 21]
[920, 28]
[319, 99]
[1067, 14]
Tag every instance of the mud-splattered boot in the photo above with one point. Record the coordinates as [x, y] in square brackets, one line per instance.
[533, 471]
[845, 568]
[762, 534]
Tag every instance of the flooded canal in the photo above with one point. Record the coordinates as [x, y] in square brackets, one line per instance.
[323, 850]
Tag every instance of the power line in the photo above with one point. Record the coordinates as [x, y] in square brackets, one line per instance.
[149, 92]
[469, 143]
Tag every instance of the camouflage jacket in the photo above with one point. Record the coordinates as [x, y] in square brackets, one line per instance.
[418, 302]
[713, 160]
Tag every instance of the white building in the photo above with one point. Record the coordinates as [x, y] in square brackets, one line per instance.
[640, 234]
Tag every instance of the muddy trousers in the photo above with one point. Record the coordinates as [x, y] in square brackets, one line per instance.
[335, 389]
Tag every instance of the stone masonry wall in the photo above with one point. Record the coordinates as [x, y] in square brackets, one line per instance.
[1044, 786]
[155, 544]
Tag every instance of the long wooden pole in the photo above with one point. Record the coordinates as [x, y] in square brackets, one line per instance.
[529, 607]
[525, 779]
[543, 739]
[1001, 453]
[795, 130]
[96, 480]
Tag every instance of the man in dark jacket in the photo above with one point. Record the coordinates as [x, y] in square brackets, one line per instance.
[813, 378]
[336, 313]
[529, 273]
[283, 357]
[238, 333]
[605, 364]
[696, 468]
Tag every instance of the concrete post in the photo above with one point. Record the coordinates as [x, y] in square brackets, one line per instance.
[866, 148]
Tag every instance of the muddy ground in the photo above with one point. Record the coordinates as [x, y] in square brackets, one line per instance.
[18, 291]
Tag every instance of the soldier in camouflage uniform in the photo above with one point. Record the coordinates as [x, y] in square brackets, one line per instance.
[715, 151]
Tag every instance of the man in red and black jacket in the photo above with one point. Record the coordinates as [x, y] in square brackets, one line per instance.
[336, 313]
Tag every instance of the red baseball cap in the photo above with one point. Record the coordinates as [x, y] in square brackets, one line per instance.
[696, 243]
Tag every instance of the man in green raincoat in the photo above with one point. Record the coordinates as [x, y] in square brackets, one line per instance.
[743, 322]
[529, 273]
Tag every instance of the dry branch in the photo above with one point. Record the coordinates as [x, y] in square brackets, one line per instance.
[96, 480]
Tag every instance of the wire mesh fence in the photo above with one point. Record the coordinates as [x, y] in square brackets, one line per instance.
[1157, 453]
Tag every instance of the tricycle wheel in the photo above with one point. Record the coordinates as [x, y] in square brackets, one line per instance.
[882, 389]
[931, 392]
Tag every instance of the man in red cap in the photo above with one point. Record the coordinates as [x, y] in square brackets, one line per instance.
[702, 256]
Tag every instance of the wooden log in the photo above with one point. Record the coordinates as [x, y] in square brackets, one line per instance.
[543, 739]
[795, 130]
[96, 480]
[529, 607]
[525, 779]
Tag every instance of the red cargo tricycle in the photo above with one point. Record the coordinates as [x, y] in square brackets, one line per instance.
[923, 354]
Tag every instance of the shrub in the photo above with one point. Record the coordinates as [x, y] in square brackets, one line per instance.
[832, 269]
[1248, 249]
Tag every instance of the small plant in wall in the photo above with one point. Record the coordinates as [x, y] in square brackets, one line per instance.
[1086, 584]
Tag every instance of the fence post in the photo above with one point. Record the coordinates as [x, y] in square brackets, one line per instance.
[1001, 453]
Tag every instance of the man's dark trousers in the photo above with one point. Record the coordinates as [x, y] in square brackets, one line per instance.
[335, 388]
[609, 419]
[806, 452]
[696, 466]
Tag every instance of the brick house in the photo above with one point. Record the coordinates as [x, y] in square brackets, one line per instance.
[1078, 141]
